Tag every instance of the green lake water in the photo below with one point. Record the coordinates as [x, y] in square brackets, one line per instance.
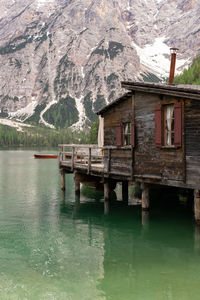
[52, 247]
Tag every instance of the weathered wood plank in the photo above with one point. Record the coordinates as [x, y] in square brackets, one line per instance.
[192, 142]
[89, 161]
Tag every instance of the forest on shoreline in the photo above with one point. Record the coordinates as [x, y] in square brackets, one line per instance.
[40, 136]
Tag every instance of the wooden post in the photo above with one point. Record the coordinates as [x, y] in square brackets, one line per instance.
[63, 150]
[89, 160]
[62, 172]
[109, 158]
[145, 196]
[77, 187]
[60, 153]
[77, 184]
[76, 204]
[125, 191]
[189, 195]
[132, 162]
[197, 206]
[73, 154]
[106, 198]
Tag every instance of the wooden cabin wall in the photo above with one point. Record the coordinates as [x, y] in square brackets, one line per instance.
[120, 162]
[120, 159]
[122, 112]
[192, 142]
[150, 160]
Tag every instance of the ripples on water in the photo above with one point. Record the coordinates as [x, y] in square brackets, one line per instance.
[52, 247]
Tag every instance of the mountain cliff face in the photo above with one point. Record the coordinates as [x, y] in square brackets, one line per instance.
[61, 60]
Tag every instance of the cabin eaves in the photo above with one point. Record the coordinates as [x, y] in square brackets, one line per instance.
[181, 90]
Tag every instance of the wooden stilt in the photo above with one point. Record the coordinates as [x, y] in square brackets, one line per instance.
[125, 191]
[77, 187]
[77, 184]
[77, 201]
[190, 199]
[106, 198]
[197, 206]
[145, 196]
[62, 172]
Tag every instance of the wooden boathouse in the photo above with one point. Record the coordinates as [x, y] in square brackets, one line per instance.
[151, 136]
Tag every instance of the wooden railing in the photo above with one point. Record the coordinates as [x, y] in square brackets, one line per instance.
[83, 156]
[107, 160]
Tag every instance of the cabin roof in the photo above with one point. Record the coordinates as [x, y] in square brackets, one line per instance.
[180, 90]
[113, 103]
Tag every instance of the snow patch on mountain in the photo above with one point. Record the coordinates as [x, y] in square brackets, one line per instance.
[43, 2]
[156, 57]
[129, 6]
[14, 124]
[82, 72]
[25, 112]
[43, 111]
[82, 116]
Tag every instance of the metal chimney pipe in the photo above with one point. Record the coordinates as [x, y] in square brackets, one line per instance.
[173, 52]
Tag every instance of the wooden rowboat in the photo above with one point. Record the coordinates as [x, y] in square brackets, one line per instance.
[45, 156]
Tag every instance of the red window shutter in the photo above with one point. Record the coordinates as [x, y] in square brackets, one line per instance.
[133, 134]
[158, 126]
[119, 135]
[178, 124]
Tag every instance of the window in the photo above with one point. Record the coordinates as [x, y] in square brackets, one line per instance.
[168, 125]
[127, 134]
[168, 112]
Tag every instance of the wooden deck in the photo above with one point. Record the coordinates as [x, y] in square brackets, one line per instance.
[94, 160]
[83, 158]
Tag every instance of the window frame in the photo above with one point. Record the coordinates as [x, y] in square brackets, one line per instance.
[127, 134]
[178, 121]
[168, 132]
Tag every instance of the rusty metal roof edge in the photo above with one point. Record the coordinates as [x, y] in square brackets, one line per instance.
[118, 100]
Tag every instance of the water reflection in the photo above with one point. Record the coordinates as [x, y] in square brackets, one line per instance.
[145, 219]
[153, 256]
[161, 264]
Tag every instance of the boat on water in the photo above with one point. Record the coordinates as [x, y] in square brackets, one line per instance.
[45, 156]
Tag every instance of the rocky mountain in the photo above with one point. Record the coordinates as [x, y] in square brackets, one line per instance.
[61, 60]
